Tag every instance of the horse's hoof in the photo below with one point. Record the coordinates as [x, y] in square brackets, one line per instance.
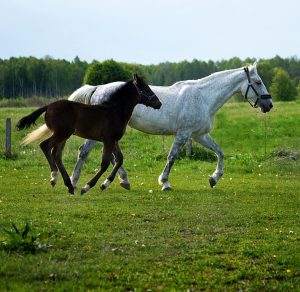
[103, 187]
[53, 183]
[71, 191]
[166, 187]
[212, 182]
[125, 185]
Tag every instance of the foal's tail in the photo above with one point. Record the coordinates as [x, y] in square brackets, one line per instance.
[83, 94]
[28, 121]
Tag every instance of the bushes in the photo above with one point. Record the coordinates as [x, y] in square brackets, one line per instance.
[282, 87]
[106, 72]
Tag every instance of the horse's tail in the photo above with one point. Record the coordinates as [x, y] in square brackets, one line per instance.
[41, 133]
[29, 120]
[83, 94]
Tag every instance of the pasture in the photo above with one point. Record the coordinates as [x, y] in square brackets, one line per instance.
[241, 235]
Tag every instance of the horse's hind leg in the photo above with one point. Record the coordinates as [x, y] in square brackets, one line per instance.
[84, 151]
[106, 157]
[57, 154]
[118, 162]
[46, 147]
[207, 141]
[124, 181]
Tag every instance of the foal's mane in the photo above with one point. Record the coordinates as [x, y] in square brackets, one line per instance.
[119, 95]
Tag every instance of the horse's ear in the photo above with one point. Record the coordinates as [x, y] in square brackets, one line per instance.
[135, 76]
[255, 66]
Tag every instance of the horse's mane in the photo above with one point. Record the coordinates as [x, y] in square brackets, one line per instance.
[206, 78]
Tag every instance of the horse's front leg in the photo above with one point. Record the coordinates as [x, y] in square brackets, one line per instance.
[207, 141]
[84, 151]
[179, 141]
[118, 162]
[106, 157]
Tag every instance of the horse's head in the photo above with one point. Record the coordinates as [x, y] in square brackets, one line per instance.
[255, 91]
[147, 96]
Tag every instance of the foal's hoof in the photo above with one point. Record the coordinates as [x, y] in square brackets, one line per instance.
[84, 189]
[105, 185]
[125, 185]
[212, 182]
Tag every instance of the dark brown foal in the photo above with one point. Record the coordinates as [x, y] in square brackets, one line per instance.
[106, 123]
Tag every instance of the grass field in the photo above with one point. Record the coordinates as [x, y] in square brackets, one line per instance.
[241, 235]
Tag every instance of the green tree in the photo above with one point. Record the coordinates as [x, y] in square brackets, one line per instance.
[106, 72]
[282, 87]
[298, 90]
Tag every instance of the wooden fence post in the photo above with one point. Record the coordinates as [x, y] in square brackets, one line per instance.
[8, 138]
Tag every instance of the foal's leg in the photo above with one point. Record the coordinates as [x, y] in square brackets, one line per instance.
[118, 162]
[84, 151]
[46, 147]
[207, 141]
[57, 154]
[106, 157]
[179, 141]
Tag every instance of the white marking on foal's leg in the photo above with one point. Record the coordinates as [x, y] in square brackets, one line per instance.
[105, 184]
[54, 176]
[85, 189]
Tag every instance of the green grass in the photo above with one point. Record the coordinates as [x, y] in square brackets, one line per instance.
[241, 235]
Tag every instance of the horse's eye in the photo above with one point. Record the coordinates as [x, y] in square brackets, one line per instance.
[258, 82]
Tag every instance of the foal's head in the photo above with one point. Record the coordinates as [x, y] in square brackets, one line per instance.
[147, 96]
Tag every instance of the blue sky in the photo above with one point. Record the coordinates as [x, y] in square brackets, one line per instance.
[149, 31]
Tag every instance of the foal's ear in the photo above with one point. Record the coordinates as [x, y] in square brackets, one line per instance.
[135, 76]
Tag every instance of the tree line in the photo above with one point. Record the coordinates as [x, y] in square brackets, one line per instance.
[48, 77]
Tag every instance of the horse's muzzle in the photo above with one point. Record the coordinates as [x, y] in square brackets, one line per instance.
[266, 109]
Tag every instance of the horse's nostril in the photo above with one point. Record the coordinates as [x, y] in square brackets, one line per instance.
[271, 105]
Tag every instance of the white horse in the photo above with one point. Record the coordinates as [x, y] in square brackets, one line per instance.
[188, 111]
